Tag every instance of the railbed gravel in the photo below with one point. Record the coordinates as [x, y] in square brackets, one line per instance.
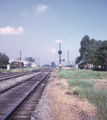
[43, 108]
[9, 82]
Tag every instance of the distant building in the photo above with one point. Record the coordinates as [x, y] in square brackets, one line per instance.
[84, 65]
[76, 66]
[20, 64]
[33, 64]
[26, 64]
[23, 63]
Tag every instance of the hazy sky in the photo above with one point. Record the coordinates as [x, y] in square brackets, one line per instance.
[36, 26]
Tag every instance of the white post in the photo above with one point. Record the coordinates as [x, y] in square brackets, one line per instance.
[8, 67]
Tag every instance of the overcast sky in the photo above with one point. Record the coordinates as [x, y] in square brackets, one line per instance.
[36, 26]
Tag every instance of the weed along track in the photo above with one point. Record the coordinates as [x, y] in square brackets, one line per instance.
[18, 102]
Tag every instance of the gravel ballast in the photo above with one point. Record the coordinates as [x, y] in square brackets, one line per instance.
[42, 110]
[7, 83]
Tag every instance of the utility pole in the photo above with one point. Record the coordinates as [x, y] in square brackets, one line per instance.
[35, 60]
[53, 45]
[38, 61]
[68, 57]
[20, 56]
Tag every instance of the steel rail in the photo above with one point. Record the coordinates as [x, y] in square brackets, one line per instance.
[16, 75]
[4, 90]
[10, 115]
[12, 76]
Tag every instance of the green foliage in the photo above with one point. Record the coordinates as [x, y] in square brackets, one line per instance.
[96, 97]
[81, 74]
[80, 83]
[46, 65]
[92, 51]
[53, 64]
[4, 59]
[84, 45]
[98, 69]
[4, 70]
[13, 66]
[5, 66]
[78, 59]
[85, 89]
[76, 92]
[30, 59]
[100, 54]
[63, 86]
[14, 63]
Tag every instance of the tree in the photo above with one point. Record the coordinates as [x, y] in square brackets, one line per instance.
[100, 54]
[4, 59]
[88, 46]
[92, 51]
[77, 60]
[84, 49]
[84, 45]
[53, 64]
[30, 59]
[46, 65]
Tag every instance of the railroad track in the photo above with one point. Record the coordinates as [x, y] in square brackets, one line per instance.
[18, 102]
[13, 75]
[7, 74]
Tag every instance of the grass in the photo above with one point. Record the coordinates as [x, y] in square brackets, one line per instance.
[82, 74]
[63, 86]
[86, 90]
[18, 70]
[65, 106]
[3, 70]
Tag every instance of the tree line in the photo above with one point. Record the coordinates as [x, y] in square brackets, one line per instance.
[92, 51]
[4, 60]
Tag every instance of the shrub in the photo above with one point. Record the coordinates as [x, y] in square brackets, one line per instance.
[99, 69]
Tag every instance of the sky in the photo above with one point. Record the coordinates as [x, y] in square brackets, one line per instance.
[37, 26]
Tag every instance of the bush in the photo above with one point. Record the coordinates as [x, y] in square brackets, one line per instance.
[99, 69]
[76, 92]
[13, 66]
[3, 66]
